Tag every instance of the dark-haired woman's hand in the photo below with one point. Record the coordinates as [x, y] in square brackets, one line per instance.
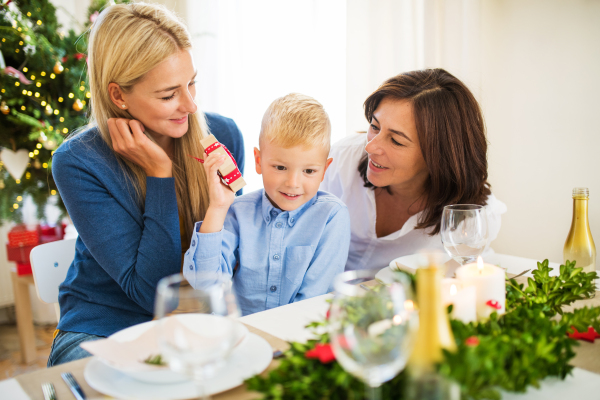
[129, 140]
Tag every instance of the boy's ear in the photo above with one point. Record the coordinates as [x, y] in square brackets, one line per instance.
[257, 161]
[327, 164]
[116, 94]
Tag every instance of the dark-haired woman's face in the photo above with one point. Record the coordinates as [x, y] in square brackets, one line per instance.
[395, 157]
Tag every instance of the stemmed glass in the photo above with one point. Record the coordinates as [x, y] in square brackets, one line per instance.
[197, 325]
[464, 231]
[372, 328]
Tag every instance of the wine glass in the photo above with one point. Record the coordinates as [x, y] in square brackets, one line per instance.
[464, 231]
[372, 328]
[197, 327]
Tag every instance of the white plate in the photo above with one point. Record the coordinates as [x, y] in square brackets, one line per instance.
[411, 262]
[512, 264]
[165, 375]
[251, 357]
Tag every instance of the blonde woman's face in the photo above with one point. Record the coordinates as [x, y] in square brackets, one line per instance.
[164, 98]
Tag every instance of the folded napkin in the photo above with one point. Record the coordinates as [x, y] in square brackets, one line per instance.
[130, 355]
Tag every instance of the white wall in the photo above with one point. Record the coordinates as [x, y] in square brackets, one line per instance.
[71, 13]
[541, 99]
[248, 53]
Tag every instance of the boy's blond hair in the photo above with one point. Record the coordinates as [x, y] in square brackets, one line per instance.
[296, 120]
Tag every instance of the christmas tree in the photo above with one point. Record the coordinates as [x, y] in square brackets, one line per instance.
[43, 98]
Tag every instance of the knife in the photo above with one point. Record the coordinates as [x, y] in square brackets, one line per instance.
[73, 385]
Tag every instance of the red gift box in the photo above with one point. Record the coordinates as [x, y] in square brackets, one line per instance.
[24, 268]
[50, 233]
[18, 254]
[20, 236]
[21, 241]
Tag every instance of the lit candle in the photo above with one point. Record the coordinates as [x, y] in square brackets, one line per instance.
[490, 286]
[463, 300]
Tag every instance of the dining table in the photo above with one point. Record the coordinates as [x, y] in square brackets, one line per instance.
[282, 325]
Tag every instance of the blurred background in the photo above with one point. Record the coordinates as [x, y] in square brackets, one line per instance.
[532, 64]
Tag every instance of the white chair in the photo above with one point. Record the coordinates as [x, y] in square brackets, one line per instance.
[49, 264]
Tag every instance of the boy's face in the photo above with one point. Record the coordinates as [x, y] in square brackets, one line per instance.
[291, 176]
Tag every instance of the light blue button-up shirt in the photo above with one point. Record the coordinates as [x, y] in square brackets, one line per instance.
[281, 256]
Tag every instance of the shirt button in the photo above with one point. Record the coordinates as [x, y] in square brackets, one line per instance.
[276, 257]
[274, 213]
[193, 242]
[273, 288]
[191, 267]
[279, 225]
[292, 220]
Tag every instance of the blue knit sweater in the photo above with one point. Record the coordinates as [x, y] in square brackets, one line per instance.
[122, 251]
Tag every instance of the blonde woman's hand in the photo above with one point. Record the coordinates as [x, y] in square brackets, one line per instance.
[129, 140]
[220, 196]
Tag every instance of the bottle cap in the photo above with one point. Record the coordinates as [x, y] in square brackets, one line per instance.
[581, 192]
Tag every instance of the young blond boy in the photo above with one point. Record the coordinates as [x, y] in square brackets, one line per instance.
[288, 240]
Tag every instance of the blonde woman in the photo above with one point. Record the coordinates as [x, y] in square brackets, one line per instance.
[128, 183]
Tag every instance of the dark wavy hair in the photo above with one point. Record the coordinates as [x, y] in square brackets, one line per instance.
[451, 133]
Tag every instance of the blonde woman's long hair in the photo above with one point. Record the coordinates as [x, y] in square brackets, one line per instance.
[126, 42]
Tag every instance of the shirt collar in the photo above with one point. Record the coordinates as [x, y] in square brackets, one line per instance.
[269, 213]
[408, 226]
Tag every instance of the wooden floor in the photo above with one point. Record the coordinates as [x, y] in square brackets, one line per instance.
[10, 355]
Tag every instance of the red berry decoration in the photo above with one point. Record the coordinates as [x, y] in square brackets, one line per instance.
[494, 304]
[323, 352]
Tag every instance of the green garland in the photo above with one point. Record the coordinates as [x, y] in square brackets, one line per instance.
[511, 352]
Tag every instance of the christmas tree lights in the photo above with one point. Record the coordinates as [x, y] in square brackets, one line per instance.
[44, 97]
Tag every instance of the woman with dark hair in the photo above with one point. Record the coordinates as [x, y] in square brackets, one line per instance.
[425, 148]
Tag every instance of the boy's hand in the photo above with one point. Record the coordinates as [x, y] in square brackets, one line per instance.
[220, 196]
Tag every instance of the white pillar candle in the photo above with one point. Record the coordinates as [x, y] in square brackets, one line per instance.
[448, 292]
[490, 286]
[463, 300]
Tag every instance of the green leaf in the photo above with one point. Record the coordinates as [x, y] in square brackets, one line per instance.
[26, 119]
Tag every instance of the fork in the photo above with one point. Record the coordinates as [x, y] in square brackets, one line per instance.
[48, 390]
[521, 274]
[73, 385]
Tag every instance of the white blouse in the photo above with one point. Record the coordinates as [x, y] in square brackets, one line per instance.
[366, 249]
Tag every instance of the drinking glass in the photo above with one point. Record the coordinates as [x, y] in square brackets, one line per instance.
[197, 327]
[464, 231]
[372, 326]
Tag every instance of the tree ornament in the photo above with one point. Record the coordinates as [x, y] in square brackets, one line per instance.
[48, 110]
[49, 144]
[78, 105]
[4, 108]
[15, 162]
[37, 164]
[15, 73]
[58, 68]
[2, 185]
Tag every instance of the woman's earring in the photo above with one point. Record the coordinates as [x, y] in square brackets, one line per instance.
[124, 106]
